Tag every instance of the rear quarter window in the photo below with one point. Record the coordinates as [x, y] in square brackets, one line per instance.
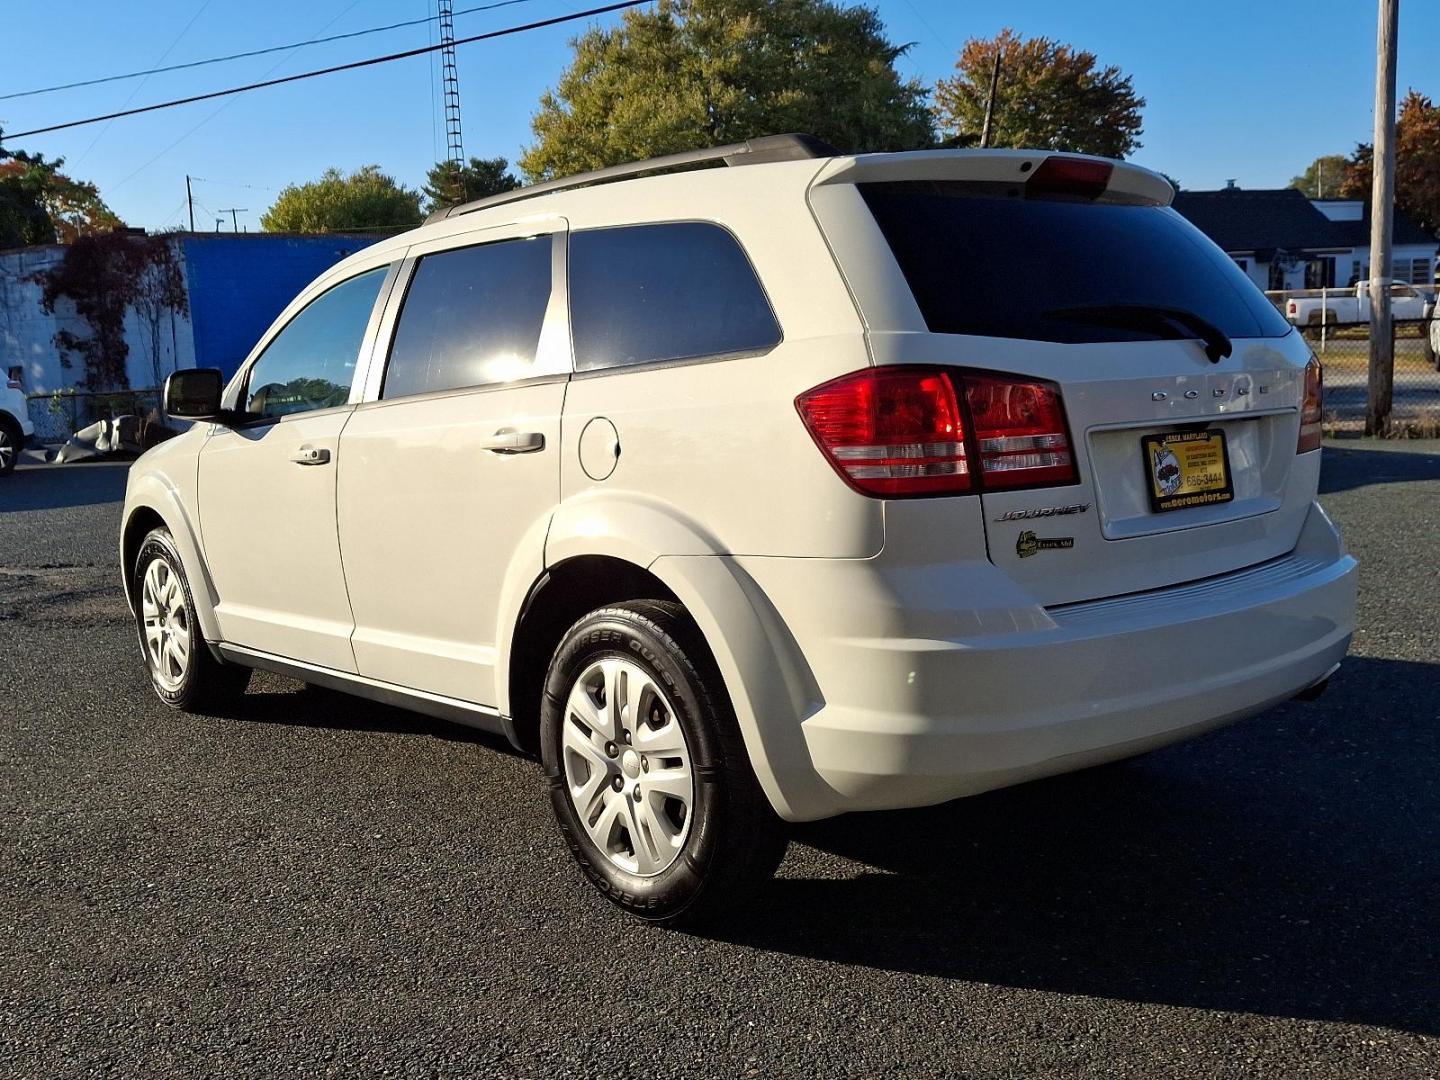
[1007, 267]
[674, 291]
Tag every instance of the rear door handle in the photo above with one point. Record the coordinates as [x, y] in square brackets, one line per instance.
[311, 455]
[514, 442]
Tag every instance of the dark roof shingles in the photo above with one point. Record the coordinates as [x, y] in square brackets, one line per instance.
[1238, 219]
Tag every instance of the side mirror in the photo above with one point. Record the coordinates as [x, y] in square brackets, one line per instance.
[194, 394]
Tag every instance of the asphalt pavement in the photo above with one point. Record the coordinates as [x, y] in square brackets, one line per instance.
[317, 885]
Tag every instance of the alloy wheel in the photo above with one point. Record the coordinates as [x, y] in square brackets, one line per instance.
[627, 766]
[7, 450]
[166, 624]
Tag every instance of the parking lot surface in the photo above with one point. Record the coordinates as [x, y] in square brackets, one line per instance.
[321, 885]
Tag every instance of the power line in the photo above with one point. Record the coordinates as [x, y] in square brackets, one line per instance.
[330, 70]
[229, 101]
[141, 84]
[246, 55]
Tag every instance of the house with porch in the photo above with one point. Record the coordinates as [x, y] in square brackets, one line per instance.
[1284, 240]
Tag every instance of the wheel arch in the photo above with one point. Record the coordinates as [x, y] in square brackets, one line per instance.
[604, 550]
[151, 503]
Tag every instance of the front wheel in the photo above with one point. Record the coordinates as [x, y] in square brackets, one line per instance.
[11, 441]
[183, 672]
[649, 778]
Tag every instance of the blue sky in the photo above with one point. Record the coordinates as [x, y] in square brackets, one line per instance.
[1236, 89]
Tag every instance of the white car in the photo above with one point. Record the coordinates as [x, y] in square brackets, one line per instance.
[16, 430]
[744, 495]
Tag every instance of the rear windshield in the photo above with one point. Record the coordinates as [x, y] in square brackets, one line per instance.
[1030, 268]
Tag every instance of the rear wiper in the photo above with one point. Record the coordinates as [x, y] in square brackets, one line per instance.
[1149, 316]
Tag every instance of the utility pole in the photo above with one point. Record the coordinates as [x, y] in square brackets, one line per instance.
[190, 201]
[1382, 214]
[990, 101]
[232, 211]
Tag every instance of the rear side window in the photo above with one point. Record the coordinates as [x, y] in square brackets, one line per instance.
[1060, 271]
[310, 364]
[675, 291]
[471, 316]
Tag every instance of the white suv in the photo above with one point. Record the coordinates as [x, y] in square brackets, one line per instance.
[16, 429]
[814, 484]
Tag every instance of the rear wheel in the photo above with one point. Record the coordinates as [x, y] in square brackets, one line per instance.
[648, 776]
[183, 672]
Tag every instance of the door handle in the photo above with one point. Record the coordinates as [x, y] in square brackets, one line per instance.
[514, 442]
[311, 455]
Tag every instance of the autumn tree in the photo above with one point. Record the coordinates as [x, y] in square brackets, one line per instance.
[449, 184]
[1050, 96]
[104, 277]
[41, 205]
[1324, 176]
[695, 73]
[365, 199]
[1417, 162]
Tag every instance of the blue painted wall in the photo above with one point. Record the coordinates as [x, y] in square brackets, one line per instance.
[240, 282]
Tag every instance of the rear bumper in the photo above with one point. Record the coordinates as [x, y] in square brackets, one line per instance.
[910, 721]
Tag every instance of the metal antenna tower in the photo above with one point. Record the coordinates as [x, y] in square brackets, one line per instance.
[451, 82]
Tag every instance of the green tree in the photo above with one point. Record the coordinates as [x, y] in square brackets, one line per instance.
[1324, 177]
[366, 199]
[41, 205]
[1417, 162]
[1050, 96]
[449, 184]
[695, 73]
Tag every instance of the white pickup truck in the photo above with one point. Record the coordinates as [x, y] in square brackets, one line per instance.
[1352, 305]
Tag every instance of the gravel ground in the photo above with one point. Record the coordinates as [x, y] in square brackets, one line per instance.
[323, 886]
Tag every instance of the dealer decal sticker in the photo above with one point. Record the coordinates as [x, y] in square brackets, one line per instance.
[1029, 544]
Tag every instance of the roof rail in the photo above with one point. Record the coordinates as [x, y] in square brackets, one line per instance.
[793, 147]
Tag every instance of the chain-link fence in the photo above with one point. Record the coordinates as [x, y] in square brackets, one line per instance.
[1330, 321]
[59, 415]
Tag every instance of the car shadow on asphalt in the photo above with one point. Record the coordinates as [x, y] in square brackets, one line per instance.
[273, 699]
[1286, 866]
[57, 487]
[1345, 468]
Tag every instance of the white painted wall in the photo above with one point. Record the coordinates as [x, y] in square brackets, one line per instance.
[27, 332]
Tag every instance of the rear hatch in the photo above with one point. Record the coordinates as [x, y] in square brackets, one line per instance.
[1181, 384]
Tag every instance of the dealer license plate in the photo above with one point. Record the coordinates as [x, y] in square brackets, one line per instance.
[1187, 468]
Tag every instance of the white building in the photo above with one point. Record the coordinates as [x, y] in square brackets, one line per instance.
[1284, 240]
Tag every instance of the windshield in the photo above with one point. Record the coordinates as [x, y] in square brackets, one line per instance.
[1026, 268]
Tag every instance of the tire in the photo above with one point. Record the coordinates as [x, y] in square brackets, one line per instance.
[686, 864]
[12, 441]
[183, 672]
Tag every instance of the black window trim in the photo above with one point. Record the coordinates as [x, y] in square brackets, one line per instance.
[559, 280]
[679, 361]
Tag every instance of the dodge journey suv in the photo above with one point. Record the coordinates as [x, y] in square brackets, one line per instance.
[745, 495]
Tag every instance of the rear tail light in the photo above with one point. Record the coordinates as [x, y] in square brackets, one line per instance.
[1311, 409]
[894, 432]
[891, 431]
[1019, 426]
[1291, 307]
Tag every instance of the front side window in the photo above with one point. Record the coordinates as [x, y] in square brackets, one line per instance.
[310, 364]
[472, 316]
[675, 291]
